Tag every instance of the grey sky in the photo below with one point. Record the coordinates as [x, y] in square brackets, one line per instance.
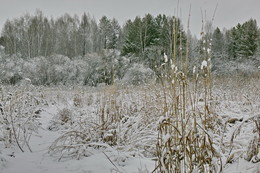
[229, 12]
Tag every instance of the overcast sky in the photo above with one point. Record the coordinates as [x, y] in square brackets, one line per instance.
[228, 14]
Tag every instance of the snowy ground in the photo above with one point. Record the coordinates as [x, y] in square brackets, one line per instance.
[238, 100]
[40, 161]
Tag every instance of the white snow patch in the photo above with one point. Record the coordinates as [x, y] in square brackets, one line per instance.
[204, 64]
[165, 58]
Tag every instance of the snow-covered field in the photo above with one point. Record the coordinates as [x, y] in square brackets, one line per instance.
[39, 161]
[114, 129]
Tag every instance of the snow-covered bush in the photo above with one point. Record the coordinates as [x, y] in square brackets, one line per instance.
[109, 118]
[11, 69]
[36, 69]
[92, 69]
[138, 75]
[19, 120]
[251, 153]
[105, 67]
[239, 66]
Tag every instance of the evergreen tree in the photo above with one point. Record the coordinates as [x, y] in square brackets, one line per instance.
[234, 41]
[249, 38]
[150, 31]
[243, 39]
[133, 37]
[217, 43]
[114, 33]
[166, 33]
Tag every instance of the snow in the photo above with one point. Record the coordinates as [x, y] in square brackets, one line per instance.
[208, 50]
[41, 161]
[237, 102]
[165, 58]
[194, 70]
[172, 66]
[204, 64]
[166, 137]
[242, 166]
[161, 119]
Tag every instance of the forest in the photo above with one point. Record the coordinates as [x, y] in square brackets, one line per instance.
[80, 50]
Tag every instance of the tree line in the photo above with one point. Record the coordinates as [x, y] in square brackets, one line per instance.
[241, 41]
[142, 40]
[36, 35]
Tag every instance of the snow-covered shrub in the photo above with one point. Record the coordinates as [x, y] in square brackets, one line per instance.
[111, 117]
[93, 74]
[237, 104]
[59, 69]
[19, 121]
[11, 69]
[76, 71]
[239, 66]
[64, 119]
[76, 144]
[252, 152]
[36, 69]
[105, 67]
[138, 75]
[153, 58]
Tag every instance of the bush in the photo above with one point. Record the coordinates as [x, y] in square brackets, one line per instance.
[138, 74]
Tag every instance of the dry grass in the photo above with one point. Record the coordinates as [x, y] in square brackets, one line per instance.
[238, 105]
[19, 119]
[156, 121]
[188, 123]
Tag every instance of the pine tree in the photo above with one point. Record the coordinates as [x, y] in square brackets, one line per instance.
[243, 39]
[113, 34]
[166, 34]
[217, 43]
[234, 41]
[133, 40]
[248, 43]
[150, 31]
